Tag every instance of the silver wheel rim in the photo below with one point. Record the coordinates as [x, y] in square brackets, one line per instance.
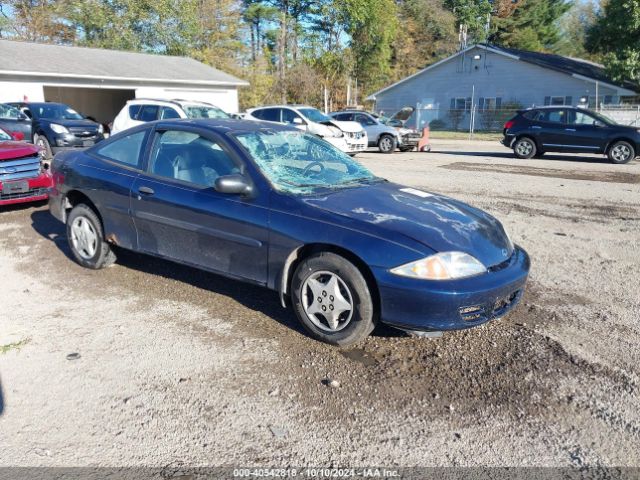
[327, 301]
[386, 144]
[620, 153]
[84, 238]
[524, 147]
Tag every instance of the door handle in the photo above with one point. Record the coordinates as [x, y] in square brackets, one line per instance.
[146, 191]
[569, 129]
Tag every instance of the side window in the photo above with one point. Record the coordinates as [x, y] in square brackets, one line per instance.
[553, 116]
[126, 150]
[8, 112]
[268, 114]
[582, 118]
[168, 112]
[147, 113]
[531, 114]
[288, 116]
[134, 110]
[189, 157]
[364, 120]
[343, 117]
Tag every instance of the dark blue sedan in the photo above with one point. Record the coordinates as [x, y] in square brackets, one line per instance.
[273, 206]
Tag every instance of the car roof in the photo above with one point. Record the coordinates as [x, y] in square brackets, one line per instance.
[225, 125]
[283, 106]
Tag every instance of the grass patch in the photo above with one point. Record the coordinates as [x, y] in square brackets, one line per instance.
[451, 135]
[13, 346]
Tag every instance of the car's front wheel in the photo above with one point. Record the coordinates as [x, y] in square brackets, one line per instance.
[387, 143]
[332, 299]
[86, 240]
[45, 148]
[525, 148]
[621, 152]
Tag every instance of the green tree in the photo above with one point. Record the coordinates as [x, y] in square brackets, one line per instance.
[532, 25]
[574, 26]
[472, 16]
[616, 35]
[426, 33]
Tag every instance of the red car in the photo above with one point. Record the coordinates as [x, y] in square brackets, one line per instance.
[23, 177]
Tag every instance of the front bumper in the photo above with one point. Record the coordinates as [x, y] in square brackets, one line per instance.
[409, 139]
[69, 141]
[346, 145]
[39, 188]
[414, 304]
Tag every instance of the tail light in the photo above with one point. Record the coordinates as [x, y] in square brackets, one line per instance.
[509, 124]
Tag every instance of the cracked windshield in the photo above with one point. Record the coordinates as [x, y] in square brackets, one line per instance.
[295, 162]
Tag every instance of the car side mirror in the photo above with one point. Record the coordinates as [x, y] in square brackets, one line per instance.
[298, 121]
[22, 117]
[233, 184]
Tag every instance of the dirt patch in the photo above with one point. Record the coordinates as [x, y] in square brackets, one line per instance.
[589, 175]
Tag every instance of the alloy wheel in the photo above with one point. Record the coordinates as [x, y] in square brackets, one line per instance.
[84, 238]
[620, 153]
[327, 301]
[524, 148]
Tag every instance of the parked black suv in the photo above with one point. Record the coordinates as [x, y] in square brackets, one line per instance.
[535, 131]
[56, 127]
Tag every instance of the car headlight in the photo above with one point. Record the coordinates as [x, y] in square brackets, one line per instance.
[59, 128]
[442, 266]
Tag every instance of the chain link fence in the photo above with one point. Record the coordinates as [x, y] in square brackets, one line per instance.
[623, 114]
[472, 119]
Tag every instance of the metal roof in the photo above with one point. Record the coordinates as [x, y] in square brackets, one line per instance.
[97, 65]
[569, 65]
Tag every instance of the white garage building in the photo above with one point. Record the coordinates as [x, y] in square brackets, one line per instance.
[98, 82]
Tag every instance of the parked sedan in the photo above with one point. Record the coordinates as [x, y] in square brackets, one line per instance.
[23, 177]
[273, 206]
[535, 131]
[57, 127]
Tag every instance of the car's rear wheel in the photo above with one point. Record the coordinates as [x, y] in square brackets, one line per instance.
[621, 152]
[42, 142]
[332, 299]
[387, 144]
[86, 239]
[524, 148]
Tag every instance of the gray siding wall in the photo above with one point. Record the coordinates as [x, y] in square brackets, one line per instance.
[493, 75]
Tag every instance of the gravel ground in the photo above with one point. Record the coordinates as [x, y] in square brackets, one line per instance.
[151, 363]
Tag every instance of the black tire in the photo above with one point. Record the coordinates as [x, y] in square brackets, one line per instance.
[41, 141]
[103, 256]
[621, 152]
[525, 147]
[354, 326]
[387, 143]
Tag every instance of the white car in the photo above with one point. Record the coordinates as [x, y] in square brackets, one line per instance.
[349, 137]
[142, 110]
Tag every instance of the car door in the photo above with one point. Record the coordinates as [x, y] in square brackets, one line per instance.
[373, 128]
[12, 120]
[108, 178]
[291, 118]
[588, 133]
[179, 215]
[551, 130]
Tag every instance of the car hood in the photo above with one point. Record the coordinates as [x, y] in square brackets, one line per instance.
[351, 127]
[88, 124]
[10, 150]
[438, 222]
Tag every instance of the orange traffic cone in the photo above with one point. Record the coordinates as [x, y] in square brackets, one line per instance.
[423, 143]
